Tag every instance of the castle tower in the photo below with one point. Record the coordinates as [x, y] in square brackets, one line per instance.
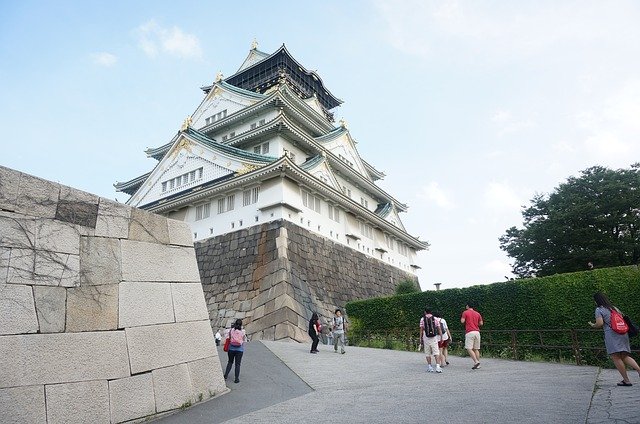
[285, 214]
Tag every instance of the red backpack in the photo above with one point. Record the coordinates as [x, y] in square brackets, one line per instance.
[618, 323]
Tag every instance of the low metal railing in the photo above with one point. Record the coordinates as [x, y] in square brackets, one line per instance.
[584, 346]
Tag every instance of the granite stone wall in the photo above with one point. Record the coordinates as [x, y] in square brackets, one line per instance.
[273, 276]
[102, 314]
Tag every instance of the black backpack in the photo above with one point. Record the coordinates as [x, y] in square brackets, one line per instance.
[429, 326]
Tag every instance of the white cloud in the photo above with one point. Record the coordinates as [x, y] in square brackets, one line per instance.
[501, 197]
[507, 124]
[434, 194]
[154, 39]
[104, 59]
[498, 267]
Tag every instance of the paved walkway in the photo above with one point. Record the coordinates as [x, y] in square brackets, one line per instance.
[379, 386]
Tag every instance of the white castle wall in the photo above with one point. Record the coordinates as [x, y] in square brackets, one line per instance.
[102, 314]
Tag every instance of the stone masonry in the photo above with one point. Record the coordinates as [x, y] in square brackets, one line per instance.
[102, 314]
[275, 275]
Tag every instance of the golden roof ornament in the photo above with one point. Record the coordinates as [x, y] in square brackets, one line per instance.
[219, 76]
[343, 123]
[254, 44]
[246, 168]
[186, 124]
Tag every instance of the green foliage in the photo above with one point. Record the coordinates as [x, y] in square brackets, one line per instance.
[592, 218]
[406, 287]
[556, 302]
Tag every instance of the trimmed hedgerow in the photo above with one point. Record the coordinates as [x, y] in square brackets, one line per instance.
[561, 301]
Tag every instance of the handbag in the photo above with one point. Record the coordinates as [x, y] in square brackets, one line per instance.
[226, 344]
[633, 328]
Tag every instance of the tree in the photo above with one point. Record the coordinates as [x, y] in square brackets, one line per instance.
[592, 218]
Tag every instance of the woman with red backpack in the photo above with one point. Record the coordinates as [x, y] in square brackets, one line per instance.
[237, 337]
[616, 339]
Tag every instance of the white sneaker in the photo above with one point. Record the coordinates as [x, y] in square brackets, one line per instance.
[438, 369]
[430, 369]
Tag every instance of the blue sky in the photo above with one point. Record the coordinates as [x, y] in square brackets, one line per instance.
[469, 107]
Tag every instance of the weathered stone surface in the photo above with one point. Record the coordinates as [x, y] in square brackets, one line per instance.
[51, 308]
[63, 357]
[84, 402]
[20, 405]
[163, 345]
[71, 272]
[113, 219]
[9, 180]
[57, 236]
[172, 387]
[145, 304]
[49, 268]
[17, 231]
[21, 266]
[77, 212]
[180, 233]
[206, 378]
[143, 261]
[149, 227]
[37, 197]
[131, 398]
[5, 254]
[92, 308]
[17, 311]
[100, 261]
[188, 302]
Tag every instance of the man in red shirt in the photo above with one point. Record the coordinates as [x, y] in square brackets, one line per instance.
[472, 321]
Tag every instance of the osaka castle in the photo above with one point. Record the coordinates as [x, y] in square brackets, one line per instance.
[263, 146]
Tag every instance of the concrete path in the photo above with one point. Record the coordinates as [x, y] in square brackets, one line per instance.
[379, 386]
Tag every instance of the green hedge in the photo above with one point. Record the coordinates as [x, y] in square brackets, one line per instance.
[556, 302]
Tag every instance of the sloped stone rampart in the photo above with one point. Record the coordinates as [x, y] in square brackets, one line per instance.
[101, 309]
[275, 275]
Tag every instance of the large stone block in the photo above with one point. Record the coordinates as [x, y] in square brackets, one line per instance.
[57, 236]
[71, 272]
[17, 231]
[188, 302]
[5, 254]
[100, 261]
[149, 227]
[9, 180]
[84, 402]
[64, 357]
[51, 308]
[20, 405]
[37, 197]
[172, 387]
[131, 398]
[143, 261]
[50, 267]
[17, 311]
[77, 207]
[163, 345]
[180, 233]
[113, 219]
[92, 308]
[21, 266]
[145, 304]
[207, 378]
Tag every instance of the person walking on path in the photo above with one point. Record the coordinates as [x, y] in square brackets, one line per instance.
[617, 344]
[429, 332]
[339, 328]
[472, 321]
[444, 340]
[237, 338]
[314, 323]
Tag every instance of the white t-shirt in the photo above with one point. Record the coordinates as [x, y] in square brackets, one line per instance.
[445, 335]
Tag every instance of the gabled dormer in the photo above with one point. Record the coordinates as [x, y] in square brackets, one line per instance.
[343, 146]
[221, 101]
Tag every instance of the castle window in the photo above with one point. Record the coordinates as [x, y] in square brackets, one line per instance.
[364, 202]
[164, 186]
[232, 134]
[261, 148]
[253, 126]
[366, 230]
[203, 211]
[250, 196]
[226, 203]
[256, 150]
[334, 213]
[310, 201]
[261, 122]
[225, 137]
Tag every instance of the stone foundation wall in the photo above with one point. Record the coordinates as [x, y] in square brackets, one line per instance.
[102, 314]
[273, 276]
